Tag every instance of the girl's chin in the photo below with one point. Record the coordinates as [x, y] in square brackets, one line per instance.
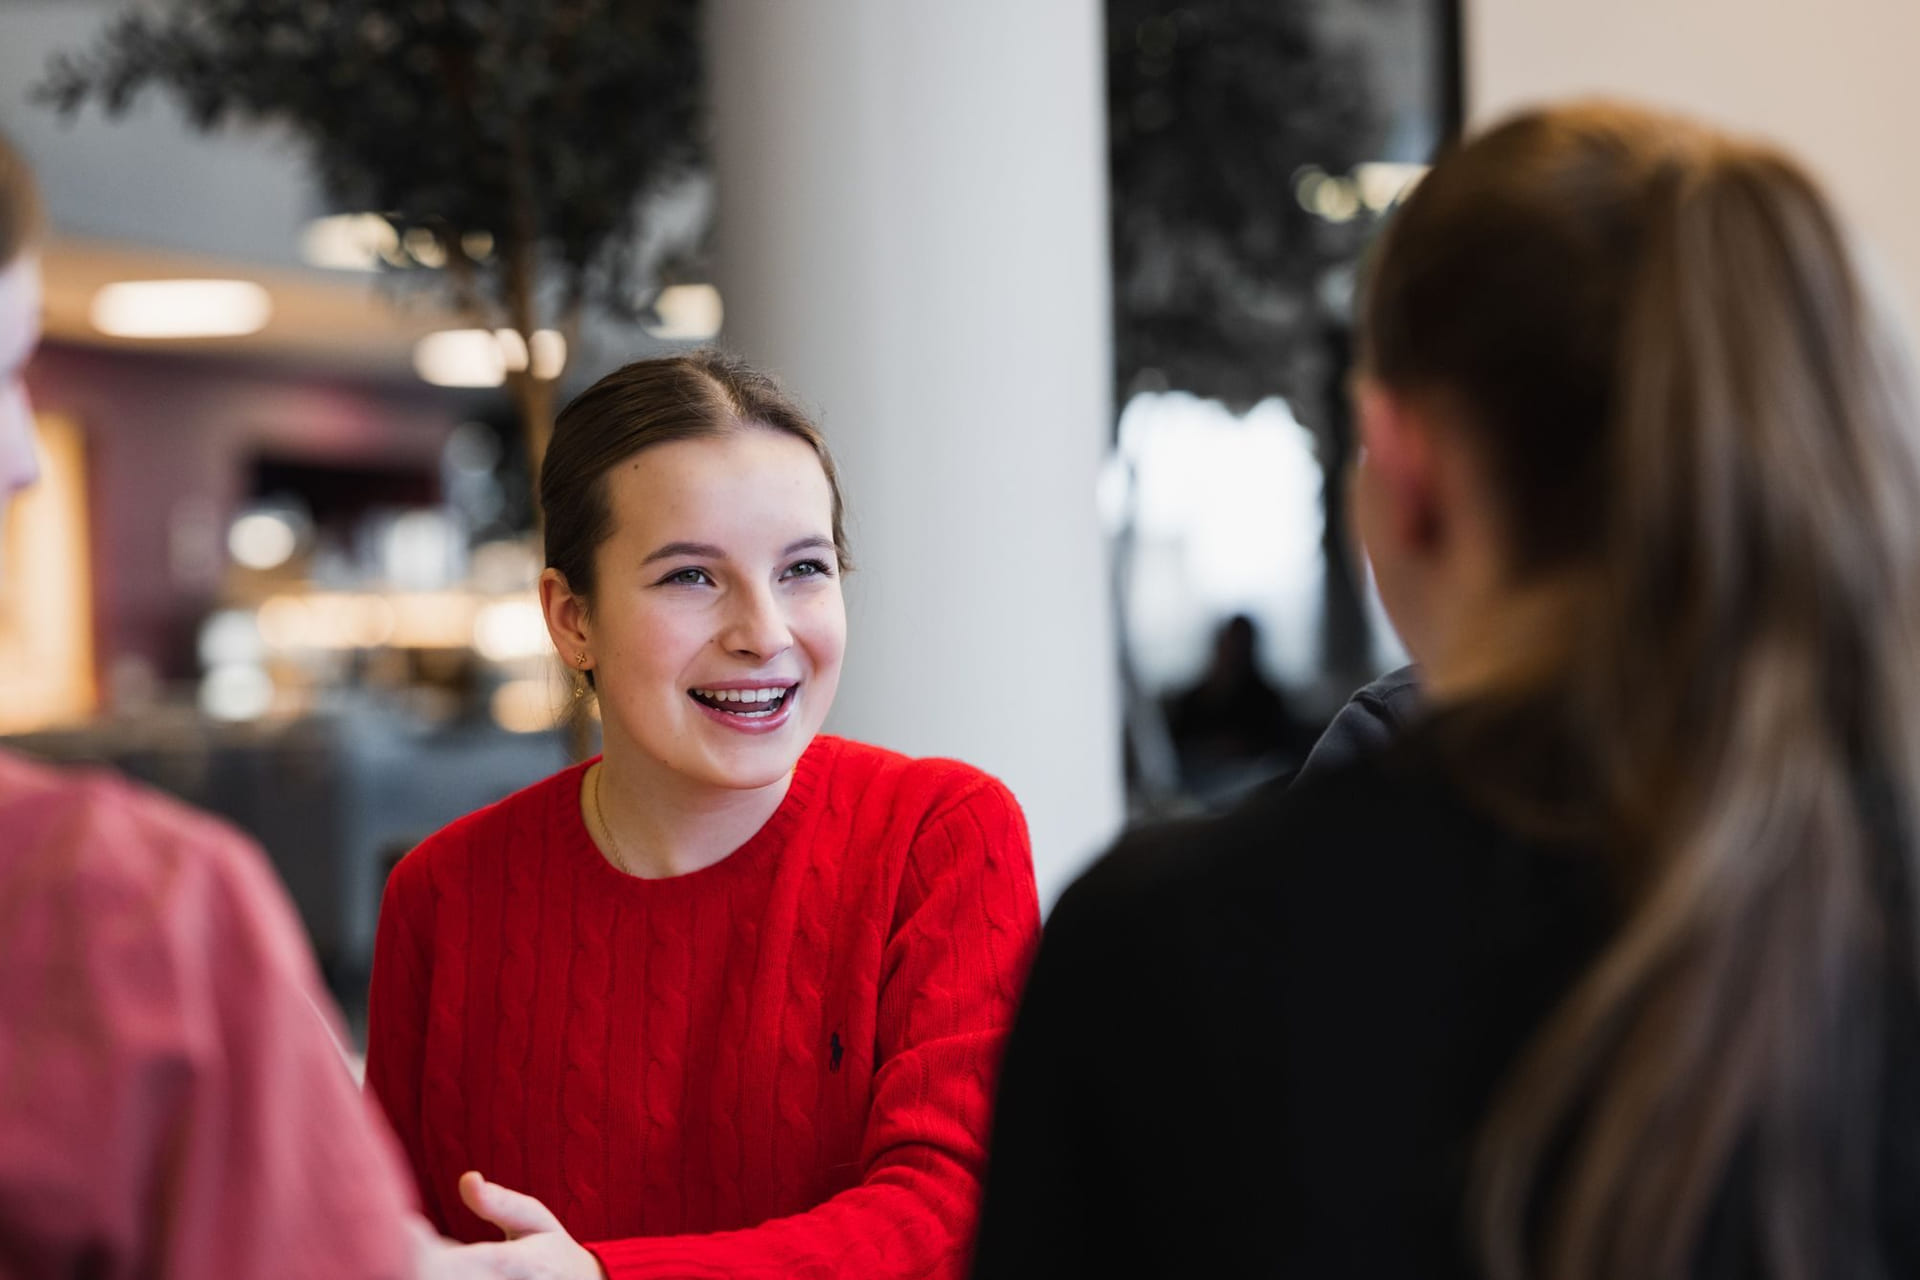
[744, 775]
[705, 753]
[749, 764]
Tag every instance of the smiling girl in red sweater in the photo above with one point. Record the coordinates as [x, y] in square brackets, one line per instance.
[727, 1000]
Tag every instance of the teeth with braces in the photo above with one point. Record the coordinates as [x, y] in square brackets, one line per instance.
[744, 695]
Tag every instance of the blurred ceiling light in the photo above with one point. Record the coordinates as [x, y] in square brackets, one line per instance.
[549, 354]
[424, 247]
[513, 349]
[1307, 181]
[349, 242]
[484, 358]
[1336, 200]
[523, 706]
[181, 309]
[262, 540]
[688, 313]
[508, 629]
[1381, 182]
[460, 358]
[477, 245]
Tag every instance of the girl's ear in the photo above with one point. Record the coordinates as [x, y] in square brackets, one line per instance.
[566, 615]
[1397, 435]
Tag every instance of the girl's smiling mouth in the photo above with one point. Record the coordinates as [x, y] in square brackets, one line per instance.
[747, 707]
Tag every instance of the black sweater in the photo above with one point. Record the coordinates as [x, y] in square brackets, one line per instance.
[1264, 1044]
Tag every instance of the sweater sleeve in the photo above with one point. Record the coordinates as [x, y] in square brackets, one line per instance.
[964, 929]
[397, 1016]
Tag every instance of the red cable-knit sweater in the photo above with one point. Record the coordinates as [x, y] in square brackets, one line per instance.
[779, 1065]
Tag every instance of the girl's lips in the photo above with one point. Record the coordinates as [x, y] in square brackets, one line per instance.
[719, 685]
[749, 724]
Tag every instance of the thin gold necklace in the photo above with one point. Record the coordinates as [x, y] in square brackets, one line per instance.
[600, 816]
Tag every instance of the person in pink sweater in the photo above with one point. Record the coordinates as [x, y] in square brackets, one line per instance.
[729, 999]
[173, 1100]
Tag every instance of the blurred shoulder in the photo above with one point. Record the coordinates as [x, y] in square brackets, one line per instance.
[1371, 720]
[93, 832]
[1345, 836]
[1387, 855]
[138, 881]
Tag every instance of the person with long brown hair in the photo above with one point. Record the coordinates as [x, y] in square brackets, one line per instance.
[1607, 968]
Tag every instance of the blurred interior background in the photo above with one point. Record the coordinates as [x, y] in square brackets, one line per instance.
[1068, 283]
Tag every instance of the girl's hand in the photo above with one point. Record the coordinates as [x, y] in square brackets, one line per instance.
[537, 1247]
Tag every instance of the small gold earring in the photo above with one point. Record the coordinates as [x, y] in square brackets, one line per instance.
[583, 659]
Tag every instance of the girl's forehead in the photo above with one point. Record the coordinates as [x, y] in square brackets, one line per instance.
[742, 481]
[760, 447]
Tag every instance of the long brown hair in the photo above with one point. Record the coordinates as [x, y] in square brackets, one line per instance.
[1685, 391]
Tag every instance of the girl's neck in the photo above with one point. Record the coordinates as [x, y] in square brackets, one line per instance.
[655, 824]
[1506, 642]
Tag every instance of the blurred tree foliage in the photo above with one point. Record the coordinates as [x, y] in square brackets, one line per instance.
[1215, 109]
[1226, 285]
[511, 143]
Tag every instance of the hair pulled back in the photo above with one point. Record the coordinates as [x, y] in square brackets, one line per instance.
[1682, 389]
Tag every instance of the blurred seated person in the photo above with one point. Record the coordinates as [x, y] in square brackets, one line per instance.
[1233, 727]
[1609, 966]
[172, 1102]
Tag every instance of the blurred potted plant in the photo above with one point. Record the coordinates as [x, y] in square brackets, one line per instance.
[511, 144]
[1218, 112]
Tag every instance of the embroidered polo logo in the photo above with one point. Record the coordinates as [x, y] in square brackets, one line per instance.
[834, 1049]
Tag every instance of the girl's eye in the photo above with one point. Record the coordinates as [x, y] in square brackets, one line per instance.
[810, 569]
[686, 578]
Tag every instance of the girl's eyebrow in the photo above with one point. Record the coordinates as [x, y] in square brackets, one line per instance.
[707, 551]
[703, 550]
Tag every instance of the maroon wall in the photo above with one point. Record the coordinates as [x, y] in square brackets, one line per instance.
[169, 441]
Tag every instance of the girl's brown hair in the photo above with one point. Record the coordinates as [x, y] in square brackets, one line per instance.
[1685, 393]
[703, 393]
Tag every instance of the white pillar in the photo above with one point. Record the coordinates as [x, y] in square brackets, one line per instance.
[912, 232]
